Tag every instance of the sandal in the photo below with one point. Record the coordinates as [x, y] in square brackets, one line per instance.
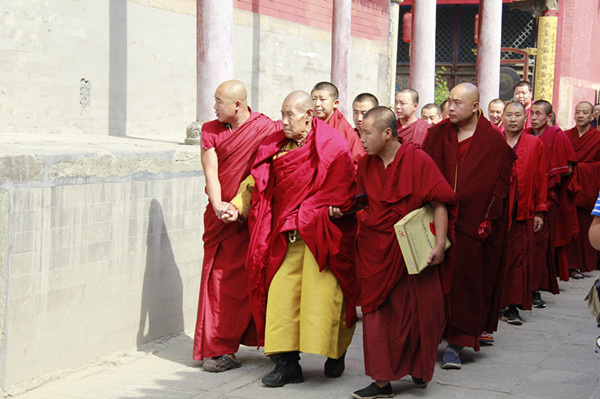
[576, 274]
[220, 363]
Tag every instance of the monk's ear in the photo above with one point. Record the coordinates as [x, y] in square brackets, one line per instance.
[310, 113]
[238, 104]
[476, 106]
[388, 133]
[336, 103]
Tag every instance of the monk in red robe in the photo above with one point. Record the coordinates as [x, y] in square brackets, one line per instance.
[301, 265]
[523, 93]
[586, 143]
[530, 188]
[360, 106]
[410, 128]
[403, 314]
[550, 254]
[229, 145]
[476, 161]
[325, 99]
[495, 111]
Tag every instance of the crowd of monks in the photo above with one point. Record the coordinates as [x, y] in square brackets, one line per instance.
[299, 229]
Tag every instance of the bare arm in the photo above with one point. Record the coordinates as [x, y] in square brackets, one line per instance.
[440, 220]
[210, 165]
[594, 232]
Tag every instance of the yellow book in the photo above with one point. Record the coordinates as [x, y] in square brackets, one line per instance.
[415, 234]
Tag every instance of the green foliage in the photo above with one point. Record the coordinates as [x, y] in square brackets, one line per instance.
[441, 87]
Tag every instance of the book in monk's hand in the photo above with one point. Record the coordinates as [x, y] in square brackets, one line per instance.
[416, 235]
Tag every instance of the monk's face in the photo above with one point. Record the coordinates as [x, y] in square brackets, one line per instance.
[596, 111]
[583, 114]
[514, 118]
[430, 116]
[372, 139]
[461, 105]
[296, 122]
[404, 106]
[359, 109]
[522, 94]
[324, 104]
[225, 106]
[495, 111]
[538, 116]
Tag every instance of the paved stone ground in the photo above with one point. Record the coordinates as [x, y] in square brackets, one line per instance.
[550, 356]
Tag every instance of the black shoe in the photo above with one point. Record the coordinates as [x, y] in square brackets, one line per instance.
[335, 367]
[287, 370]
[511, 316]
[419, 383]
[536, 300]
[373, 391]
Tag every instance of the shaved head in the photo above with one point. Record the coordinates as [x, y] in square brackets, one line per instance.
[383, 118]
[234, 90]
[328, 87]
[299, 100]
[586, 104]
[467, 90]
[414, 95]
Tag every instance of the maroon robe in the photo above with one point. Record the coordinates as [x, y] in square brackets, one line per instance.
[413, 133]
[532, 195]
[403, 314]
[317, 175]
[339, 123]
[481, 182]
[547, 262]
[224, 320]
[587, 175]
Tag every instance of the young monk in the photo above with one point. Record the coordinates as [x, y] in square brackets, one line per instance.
[530, 188]
[431, 113]
[523, 93]
[495, 111]
[403, 315]
[361, 104]
[325, 99]
[550, 260]
[586, 143]
[229, 144]
[410, 129]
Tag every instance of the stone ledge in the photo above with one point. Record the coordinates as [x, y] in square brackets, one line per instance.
[57, 159]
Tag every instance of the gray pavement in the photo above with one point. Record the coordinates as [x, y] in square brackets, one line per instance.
[550, 356]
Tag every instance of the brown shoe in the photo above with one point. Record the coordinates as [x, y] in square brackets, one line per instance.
[220, 363]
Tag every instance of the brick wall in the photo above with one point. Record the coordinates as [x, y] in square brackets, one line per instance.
[369, 17]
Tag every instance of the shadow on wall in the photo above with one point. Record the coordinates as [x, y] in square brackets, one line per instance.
[162, 293]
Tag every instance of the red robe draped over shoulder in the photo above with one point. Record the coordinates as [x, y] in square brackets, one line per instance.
[561, 211]
[403, 314]
[532, 197]
[339, 123]
[224, 319]
[482, 185]
[413, 133]
[320, 174]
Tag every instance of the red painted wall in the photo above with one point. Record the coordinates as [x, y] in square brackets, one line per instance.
[576, 50]
[369, 17]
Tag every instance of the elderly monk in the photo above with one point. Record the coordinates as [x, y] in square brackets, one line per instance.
[431, 113]
[495, 111]
[476, 161]
[229, 145]
[523, 93]
[410, 129]
[586, 143]
[550, 259]
[325, 101]
[531, 192]
[302, 279]
[361, 104]
[403, 314]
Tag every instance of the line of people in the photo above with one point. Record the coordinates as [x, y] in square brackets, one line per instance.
[299, 227]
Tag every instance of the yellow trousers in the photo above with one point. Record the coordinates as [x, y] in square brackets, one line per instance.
[306, 310]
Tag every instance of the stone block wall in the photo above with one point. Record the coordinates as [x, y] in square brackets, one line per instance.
[90, 265]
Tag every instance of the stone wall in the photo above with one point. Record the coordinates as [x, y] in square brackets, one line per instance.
[98, 253]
